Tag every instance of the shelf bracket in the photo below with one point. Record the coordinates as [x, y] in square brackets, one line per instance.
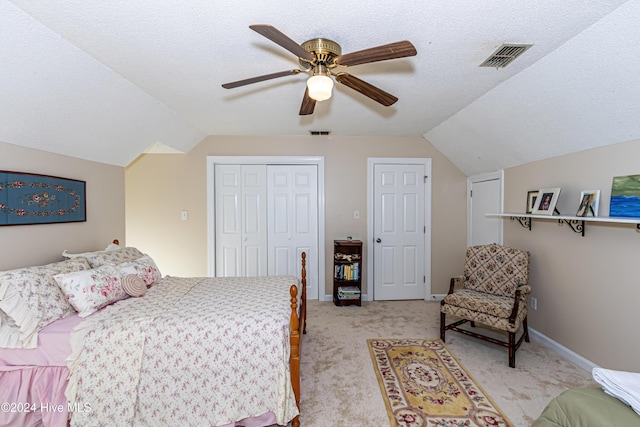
[526, 221]
[576, 225]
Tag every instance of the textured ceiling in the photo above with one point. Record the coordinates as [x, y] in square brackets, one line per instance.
[107, 81]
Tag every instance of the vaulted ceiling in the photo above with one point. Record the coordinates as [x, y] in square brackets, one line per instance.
[106, 81]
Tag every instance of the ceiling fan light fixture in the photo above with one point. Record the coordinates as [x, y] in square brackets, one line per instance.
[320, 87]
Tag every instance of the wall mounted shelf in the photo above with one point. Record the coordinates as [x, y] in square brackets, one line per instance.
[577, 223]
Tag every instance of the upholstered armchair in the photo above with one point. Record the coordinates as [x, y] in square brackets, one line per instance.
[493, 291]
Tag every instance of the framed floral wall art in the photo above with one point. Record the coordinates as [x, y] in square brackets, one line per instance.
[27, 198]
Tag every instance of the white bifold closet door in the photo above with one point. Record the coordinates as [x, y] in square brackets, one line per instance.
[241, 220]
[292, 217]
[266, 216]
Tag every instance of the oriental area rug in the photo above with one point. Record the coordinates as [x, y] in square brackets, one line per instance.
[423, 384]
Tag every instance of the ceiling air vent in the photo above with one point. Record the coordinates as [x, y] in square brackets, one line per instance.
[504, 55]
[319, 132]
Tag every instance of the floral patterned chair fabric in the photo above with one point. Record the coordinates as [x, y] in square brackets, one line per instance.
[494, 292]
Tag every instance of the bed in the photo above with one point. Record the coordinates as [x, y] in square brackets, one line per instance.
[587, 407]
[615, 403]
[193, 351]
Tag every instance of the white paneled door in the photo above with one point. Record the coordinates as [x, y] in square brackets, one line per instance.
[399, 231]
[265, 217]
[292, 212]
[241, 220]
[485, 196]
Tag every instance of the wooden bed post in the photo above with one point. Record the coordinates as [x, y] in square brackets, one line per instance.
[294, 358]
[303, 281]
[297, 323]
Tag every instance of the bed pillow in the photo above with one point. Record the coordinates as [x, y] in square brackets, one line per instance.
[144, 267]
[134, 285]
[118, 256]
[110, 247]
[30, 299]
[90, 290]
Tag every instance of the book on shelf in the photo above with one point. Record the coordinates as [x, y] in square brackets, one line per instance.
[349, 289]
[348, 297]
[348, 292]
[347, 271]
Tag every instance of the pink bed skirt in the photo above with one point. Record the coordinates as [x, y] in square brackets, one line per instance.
[34, 396]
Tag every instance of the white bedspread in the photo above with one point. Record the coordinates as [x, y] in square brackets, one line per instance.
[192, 351]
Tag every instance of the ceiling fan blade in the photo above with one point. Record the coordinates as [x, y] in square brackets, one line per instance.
[366, 89]
[380, 53]
[282, 39]
[308, 104]
[259, 79]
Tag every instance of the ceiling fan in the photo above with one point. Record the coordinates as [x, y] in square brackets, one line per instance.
[323, 58]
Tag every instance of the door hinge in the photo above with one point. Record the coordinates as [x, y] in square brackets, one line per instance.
[425, 178]
[470, 193]
[424, 279]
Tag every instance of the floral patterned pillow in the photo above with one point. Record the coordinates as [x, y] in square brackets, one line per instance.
[144, 267]
[90, 290]
[31, 299]
[118, 256]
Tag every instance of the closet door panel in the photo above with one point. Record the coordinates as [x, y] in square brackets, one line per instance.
[240, 206]
[228, 219]
[254, 220]
[292, 215]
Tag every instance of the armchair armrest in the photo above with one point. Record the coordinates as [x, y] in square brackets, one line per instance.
[524, 290]
[455, 281]
[520, 298]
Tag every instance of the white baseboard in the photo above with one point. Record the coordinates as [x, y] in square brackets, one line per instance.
[563, 351]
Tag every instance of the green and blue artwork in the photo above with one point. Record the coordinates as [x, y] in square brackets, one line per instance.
[625, 196]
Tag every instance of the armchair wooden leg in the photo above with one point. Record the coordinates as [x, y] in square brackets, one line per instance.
[512, 349]
[442, 325]
[473, 324]
[525, 329]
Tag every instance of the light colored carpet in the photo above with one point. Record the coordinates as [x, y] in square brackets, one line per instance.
[339, 385]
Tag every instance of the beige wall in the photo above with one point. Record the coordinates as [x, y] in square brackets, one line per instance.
[23, 245]
[588, 288]
[159, 186]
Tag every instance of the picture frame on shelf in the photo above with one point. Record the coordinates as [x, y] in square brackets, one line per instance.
[546, 201]
[589, 202]
[531, 200]
[625, 196]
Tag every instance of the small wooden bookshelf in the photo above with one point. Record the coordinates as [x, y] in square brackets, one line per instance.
[347, 268]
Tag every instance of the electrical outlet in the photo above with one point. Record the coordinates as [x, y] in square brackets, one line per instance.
[356, 214]
[184, 215]
[534, 303]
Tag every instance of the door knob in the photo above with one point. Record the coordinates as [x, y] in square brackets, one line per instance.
[378, 240]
